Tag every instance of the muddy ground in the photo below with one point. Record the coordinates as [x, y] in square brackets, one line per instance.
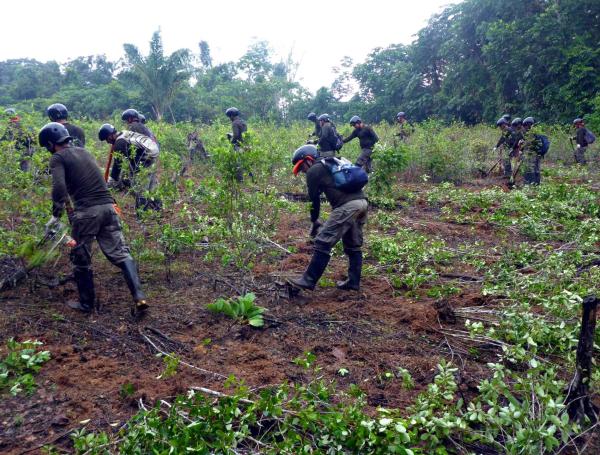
[95, 358]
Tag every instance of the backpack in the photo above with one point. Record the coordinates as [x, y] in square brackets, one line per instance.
[339, 140]
[140, 141]
[590, 137]
[347, 177]
[545, 144]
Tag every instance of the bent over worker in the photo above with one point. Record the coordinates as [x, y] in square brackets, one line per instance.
[76, 176]
[345, 222]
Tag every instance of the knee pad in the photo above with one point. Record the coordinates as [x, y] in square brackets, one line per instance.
[81, 257]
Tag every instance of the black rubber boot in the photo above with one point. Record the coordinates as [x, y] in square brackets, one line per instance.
[87, 294]
[133, 283]
[354, 272]
[529, 178]
[315, 269]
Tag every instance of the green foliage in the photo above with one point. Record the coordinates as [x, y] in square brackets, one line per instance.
[242, 309]
[18, 366]
[408, 257]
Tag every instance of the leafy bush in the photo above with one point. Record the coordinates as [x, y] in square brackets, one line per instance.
[19, 365]
[242, 309]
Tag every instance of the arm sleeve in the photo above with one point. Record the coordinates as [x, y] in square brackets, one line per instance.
[237, 133]
[500, 141]
[60, 195]
[81, 137]
[314, 194]
[580, 137]
[118, 154]
[352, 136]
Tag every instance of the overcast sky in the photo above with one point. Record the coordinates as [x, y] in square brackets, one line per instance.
[319, 33]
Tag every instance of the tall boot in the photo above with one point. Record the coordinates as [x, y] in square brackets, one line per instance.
[354, 272]
[529, 178]
[315, 270]
[133, 283]
[84, 278]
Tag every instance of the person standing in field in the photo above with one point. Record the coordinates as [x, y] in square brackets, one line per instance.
[236, 137]
[19, 138]
[134, 123]
[76, 177]
[58, 113]
[405, 128]
[312, 117]
[504, 145]
[346, 221]
[531, 153]
[581, 141]
[367, 139]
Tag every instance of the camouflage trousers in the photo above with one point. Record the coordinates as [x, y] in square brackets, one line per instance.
[144, 182]
[531, 167]
[364, 160]
[579, 155]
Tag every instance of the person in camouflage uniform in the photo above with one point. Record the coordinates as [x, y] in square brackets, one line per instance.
[504, 145]
[580, 139]
[58, 113]
[196, 147]
[406, 129]
[530, 147]
[19, 138]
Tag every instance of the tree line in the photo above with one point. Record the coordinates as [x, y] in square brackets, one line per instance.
[471, 62]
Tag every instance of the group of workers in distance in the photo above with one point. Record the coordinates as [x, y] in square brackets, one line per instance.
[520, 145]
[80, 189]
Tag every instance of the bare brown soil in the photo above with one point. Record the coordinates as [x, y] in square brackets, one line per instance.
[93, 357]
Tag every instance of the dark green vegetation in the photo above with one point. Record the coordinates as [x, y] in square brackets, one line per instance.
[472, 62]
[469, 312]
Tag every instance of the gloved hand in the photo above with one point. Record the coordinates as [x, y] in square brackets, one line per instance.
[578, 146]
[112, 183]
[229, 136]
[494, 149]
[52, 225]
[315, 228]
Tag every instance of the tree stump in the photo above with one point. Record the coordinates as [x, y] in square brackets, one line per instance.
[579, 405]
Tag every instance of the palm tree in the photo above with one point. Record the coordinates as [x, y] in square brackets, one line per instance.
[159, 76]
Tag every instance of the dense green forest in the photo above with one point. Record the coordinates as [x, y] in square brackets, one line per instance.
[472, 61]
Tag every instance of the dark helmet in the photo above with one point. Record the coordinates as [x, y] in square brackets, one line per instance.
[232, 112]
[106, 130]
[502, 121]
[57, 112]
[53, 133]
[10, 111]
[577, 121]
[324, 118]
[528, 121]
[517, 121]
[400, 115]
[507, 117]
[302, 153]
[130, 114]
[142, 118]
[312, 117]
[354, 120]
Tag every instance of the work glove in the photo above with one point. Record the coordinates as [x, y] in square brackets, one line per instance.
[229, 136]
[315, 228]
[578, 146]
[52, 225]
[494, 149]
[112, 183]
